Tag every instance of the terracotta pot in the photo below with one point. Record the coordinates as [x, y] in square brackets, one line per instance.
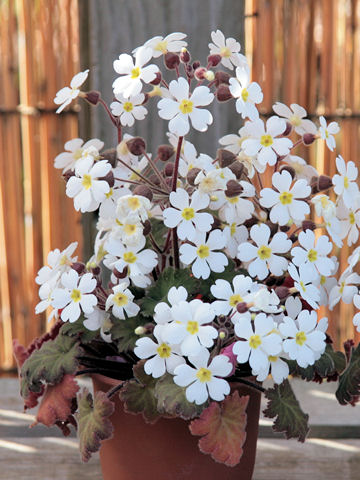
[167, 450]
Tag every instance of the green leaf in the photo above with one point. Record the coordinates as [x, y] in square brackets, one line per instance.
[171, 400]
[49, 364]
[138, 395]
[158, 231]
[329, 366]
[222, 426]
[159, 291]
[123, 332]
[348, 391]
[93, 422]
[284, 407]
[77, 329]
[228, 274]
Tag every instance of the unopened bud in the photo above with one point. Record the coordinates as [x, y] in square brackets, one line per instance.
[222, 77]
[93, 97]
[214, 60]
[250, 222]
[149, 327]
[237, 169]
[223, 93]
[192, 174]
[140, 330]
[200, 73]
[308, 225]
[78, 267]
[314, 185]
[68, 174]
[110, 155]
[288, 129]
[233, 189]
[196, 64]
[95, 270]
[189, 71]
[289, 169]
[185, 56]
[143, 191]
[225, 157]
[165, 152]
[308, 138]
[222, 334]
[282, 292]
[109, 178]
[154, 179]
[147, 227]
[169, 169]
[242, 307]
[284, 228]
[136, 145]
[324, 183]
[122, 274]
[209, 75]
[157, 78]
[171, 60]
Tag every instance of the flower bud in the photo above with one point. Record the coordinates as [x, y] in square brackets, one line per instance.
[284, 228]
[237, 169]
[209, 75]
[171, 60]
[93, 97]
[252, 221]
[122, 274]
[223, 93]
[136, 145]
[314, 185]
[147, 227]
[289, 169]
[288, 129]
[196, 64]
[185, 56]
[221, 77]
[165, 152]
[242, 307]
[157, 78]
[68, 174]
[308, 225]
[78, 267]
[143, 191]
[140, 330]
[109, 178]
[324, 182]
[308, 138]
[214, 60]
[110, 155]
[154, 179]
[96, 270]
[233, 189]
[169, 169]
[189, 71]
[149, 328]
[225, 157]
[282, 292]
[191, 176]
[200, 73]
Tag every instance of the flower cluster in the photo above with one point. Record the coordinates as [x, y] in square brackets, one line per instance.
[254, 226]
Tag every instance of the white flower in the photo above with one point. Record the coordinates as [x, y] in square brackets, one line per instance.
[303, 340]
[234, 235]
[99, 319]
[187, 217]
[228, 49]
[284, 202]
[108, 205]
[86, 187]
[303, 282]
[190, 326]
[302, 169]
[203, 254]
[264, 143]
[46, 295]
[345, 288]
[313, 256]
[163, 357]
[232, 142]
[230, 297]
[345, 183]
[134, 206]
[130, 83]
[129, 109]
[183, 108]
[247, 94]
[256, 344]
[173, 42]
[130, 230]
[76, 293]
[67, 94]
[202, 381]
[162, 311]
[279, 369]
[327, 132]
[58, 263]
[324, 207]
[121, 302]
[295, 116]
[189, 159]
[263, 300]
[349, 221]
[356, 318]
[264, 253]
[76, 150]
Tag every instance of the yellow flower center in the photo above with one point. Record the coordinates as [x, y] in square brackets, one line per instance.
[342, 286]
[295, 120]
[130, 229]
[324, 202]
[64, 260]
[264, 252]
[244, 94]
[322, 280]
[235, 299]
[312, 255]
[110, 193]
[192, 327]
[164, 351]
[78, 153]
[266, 140]
[300, 338]
[128, 106]
[255, 341]
[233, 229]
[120, 299]
[203, 251]
[272, 358]
[188, 213]
[326, 134]
[135, 72]
[186, 106]
[346, 182]
[286, 198]
[86, 181]
[161, 46]
[351, 218]
[101, 253]
[76, 295]
[133, 203]
[232, 200]
[225, 52]
[129, 257]
[302, 285]
[204, 375]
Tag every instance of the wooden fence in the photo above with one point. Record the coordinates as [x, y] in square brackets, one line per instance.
[38, 56]
[302, 51]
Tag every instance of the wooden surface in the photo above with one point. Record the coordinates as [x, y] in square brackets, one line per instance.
[43, 454]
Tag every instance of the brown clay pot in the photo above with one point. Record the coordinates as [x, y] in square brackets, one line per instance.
[167, 450]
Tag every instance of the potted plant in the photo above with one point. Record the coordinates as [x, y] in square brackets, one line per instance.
[206, 277]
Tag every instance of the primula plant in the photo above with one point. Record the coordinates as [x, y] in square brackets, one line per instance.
[208, 271]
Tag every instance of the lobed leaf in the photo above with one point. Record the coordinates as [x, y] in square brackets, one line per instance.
[77, 329]
[348, 391]
[123, 332]
[93, 421]
[284, 407]
[222, 427]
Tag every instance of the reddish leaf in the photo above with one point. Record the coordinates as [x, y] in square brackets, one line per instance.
[223, 426]
[56, 404]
